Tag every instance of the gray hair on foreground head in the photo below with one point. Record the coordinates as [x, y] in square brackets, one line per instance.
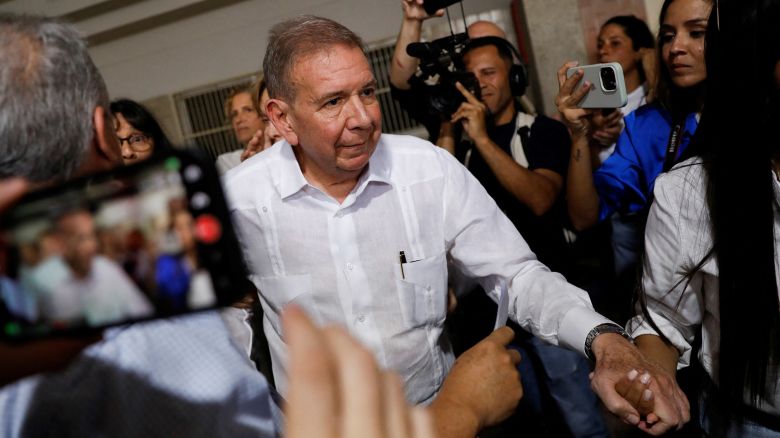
[295, 38]
[49, 89]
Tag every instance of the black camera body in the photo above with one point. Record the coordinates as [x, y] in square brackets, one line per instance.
[442, 60]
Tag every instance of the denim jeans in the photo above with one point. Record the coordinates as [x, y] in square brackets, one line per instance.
[566, 378]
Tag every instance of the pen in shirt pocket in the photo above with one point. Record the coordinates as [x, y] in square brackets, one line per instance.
[402, 259]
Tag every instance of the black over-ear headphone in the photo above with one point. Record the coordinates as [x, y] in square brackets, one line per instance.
[518, 74]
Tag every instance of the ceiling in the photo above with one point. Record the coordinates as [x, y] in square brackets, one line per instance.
[103, 21]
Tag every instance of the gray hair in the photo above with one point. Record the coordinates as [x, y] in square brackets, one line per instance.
[49, 89]
[292, 39]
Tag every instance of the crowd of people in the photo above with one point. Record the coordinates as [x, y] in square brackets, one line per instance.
[415, 288]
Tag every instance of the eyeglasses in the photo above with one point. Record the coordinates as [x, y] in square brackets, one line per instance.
[137, 142]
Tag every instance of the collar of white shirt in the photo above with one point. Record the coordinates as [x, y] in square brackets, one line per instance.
[289, 179]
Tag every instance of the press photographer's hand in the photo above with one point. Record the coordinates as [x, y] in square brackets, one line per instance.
[472, 115]
[413, 10]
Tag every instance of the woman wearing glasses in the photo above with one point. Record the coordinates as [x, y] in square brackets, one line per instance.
[138, 132]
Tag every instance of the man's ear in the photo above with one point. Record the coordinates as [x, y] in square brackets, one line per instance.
[279, 114]
[105, 141]
[104, 152]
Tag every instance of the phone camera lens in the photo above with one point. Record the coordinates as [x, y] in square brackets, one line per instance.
[608, 79]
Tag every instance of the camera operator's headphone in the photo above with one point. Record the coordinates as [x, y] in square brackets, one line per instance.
[518, 74]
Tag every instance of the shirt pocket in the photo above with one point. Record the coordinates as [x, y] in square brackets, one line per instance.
[278, 292]
[423, 291]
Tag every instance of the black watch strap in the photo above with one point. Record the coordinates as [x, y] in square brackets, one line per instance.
[601, 329]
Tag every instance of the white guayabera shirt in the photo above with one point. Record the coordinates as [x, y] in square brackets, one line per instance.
[341, 262]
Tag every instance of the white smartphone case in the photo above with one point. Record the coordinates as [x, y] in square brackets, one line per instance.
[598, 96]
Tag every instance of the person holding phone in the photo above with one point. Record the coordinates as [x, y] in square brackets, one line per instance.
[627, 40]
[654, 138]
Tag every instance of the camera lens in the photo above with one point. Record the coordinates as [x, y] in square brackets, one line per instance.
[608, 79]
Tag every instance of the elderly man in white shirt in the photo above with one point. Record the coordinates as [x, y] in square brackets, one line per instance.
[357, 227]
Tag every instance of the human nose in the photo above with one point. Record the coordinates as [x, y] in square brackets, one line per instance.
[127, 151]
[678, 45]
[358, 116]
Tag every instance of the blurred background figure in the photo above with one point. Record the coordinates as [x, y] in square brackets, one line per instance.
[138, 260]
[627, 40]
[269, 135]
[242, 112]
[138, 131]
[180, 283]
[96, 289]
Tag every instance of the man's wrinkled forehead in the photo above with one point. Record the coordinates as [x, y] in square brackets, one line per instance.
[300, 76]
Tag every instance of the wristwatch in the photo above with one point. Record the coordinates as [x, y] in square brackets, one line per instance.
[601, 329]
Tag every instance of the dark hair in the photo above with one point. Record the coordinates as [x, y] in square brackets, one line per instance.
[635, 29]
[678, 101]
[504, 47]
[141, 119]
[295, 38]
[740, 194]
[638, 32]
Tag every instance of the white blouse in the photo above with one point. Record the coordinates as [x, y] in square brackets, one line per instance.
[678, 236]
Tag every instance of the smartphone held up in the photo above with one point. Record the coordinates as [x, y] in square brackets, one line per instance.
[148, 240]
[608, 87]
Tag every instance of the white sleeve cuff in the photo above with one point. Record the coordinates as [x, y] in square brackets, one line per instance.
[575, 326]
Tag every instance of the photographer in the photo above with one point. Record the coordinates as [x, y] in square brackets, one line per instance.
[520, 160]
[404, 66]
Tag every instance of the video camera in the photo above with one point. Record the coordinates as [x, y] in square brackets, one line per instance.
[441, 65]
[443, 58]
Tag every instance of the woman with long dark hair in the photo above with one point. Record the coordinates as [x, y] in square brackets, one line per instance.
[712, 249]
[139, 132]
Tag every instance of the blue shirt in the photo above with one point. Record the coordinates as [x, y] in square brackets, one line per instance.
[170, 377]
[625, 181]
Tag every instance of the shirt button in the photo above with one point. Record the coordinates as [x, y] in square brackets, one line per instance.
[339, 214]
[265, 209]
[349, 266]
[361, 318]
[428, 288]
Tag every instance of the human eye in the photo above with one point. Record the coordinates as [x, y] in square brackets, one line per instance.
[666, 37]
[698, 33]
[368, 92]
[332, 102]
[137, 139]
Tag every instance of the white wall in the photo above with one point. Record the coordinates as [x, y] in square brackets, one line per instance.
[230, 41]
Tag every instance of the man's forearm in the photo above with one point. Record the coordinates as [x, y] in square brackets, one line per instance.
[452, 420]
[582, 200]
[403, 65]
[535, 191]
